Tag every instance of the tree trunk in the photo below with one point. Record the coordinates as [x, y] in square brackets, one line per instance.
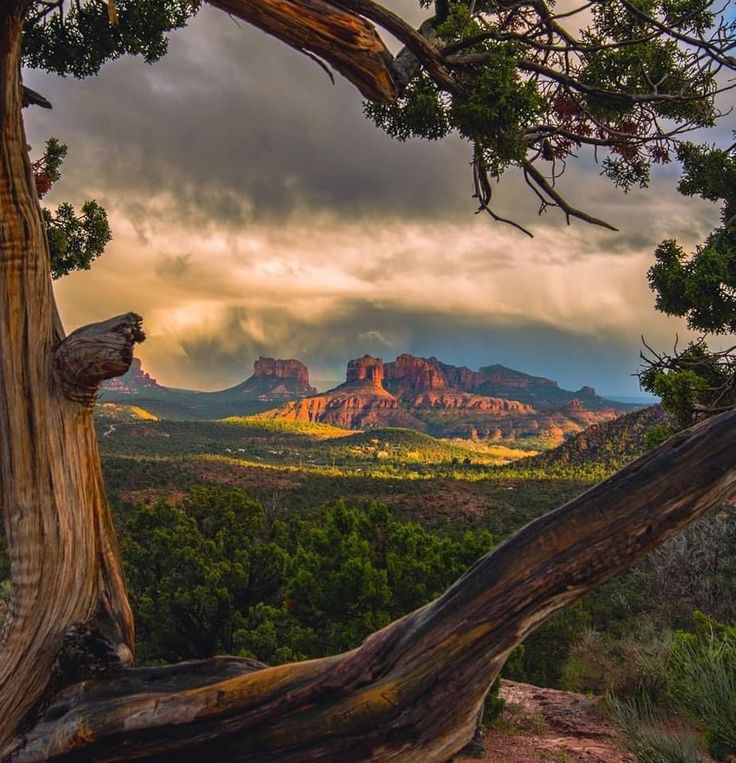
[413, 690]
[65, 564]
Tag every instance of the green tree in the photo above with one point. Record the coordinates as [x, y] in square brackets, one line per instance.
[701, 287]
[359, 570]
[196, 568]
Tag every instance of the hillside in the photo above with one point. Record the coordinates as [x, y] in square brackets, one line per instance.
[609, 444]
[134, 431]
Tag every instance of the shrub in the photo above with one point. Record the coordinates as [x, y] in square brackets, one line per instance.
[702, 681]
[626, 667]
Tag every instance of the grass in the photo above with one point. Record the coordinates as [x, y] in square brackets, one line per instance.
[258, 424]
[648, 736]
[703, 683]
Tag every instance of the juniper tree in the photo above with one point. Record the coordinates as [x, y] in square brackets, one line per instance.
[697, 382]
[529, 86]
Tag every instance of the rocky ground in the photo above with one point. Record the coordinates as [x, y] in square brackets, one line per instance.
[551, 726]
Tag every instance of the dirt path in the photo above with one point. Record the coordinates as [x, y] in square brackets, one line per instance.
[553, 727]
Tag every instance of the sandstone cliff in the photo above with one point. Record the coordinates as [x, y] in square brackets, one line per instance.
[448, 401]
[135, 380]
[274, 379]
[360, 403]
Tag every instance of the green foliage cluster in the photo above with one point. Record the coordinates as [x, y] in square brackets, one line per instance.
[702, 681]
[590, 92]
[692, 381]
[75, 240]
[77, 38]
[218, 573]
[695, 680]
[492, 111]
[701, 287]
[195, 567]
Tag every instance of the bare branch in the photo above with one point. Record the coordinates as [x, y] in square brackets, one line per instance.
[557, 200]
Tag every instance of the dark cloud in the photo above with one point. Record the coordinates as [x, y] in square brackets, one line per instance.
[256, 211]
[236, 126]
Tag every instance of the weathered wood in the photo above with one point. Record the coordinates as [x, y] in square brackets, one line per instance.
[94, 353]
[412, 691]
[33, 98]
[345, 40]
[65, 566]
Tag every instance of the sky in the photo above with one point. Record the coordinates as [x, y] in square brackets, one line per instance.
[256, 211]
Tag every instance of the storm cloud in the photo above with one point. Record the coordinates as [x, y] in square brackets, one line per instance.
[257, 211]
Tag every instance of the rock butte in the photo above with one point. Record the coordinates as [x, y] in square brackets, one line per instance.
[426, 394]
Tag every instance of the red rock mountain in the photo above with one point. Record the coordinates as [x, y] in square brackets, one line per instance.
[360, 403]
[420, 393]
[409, 374]
[134, 381]
[450, 401]
[274, 379]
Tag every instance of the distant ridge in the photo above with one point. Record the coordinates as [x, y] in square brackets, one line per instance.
[450, 401]
[273, 381]
[493, 403]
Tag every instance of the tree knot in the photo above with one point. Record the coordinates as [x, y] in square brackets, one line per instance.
[94, 353]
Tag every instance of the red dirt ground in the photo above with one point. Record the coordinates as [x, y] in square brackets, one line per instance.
[550, 726]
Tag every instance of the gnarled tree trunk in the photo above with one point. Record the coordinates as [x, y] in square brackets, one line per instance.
[65, 564]
[412, 691]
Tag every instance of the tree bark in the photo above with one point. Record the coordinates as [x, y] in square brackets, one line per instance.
[413, 690]
[65, 566]
[345, 40]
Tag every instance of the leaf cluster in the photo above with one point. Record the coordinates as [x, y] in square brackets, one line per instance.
[75, 240]
[529, 88]
[693, 384]
[701, 287]
[77, 38]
